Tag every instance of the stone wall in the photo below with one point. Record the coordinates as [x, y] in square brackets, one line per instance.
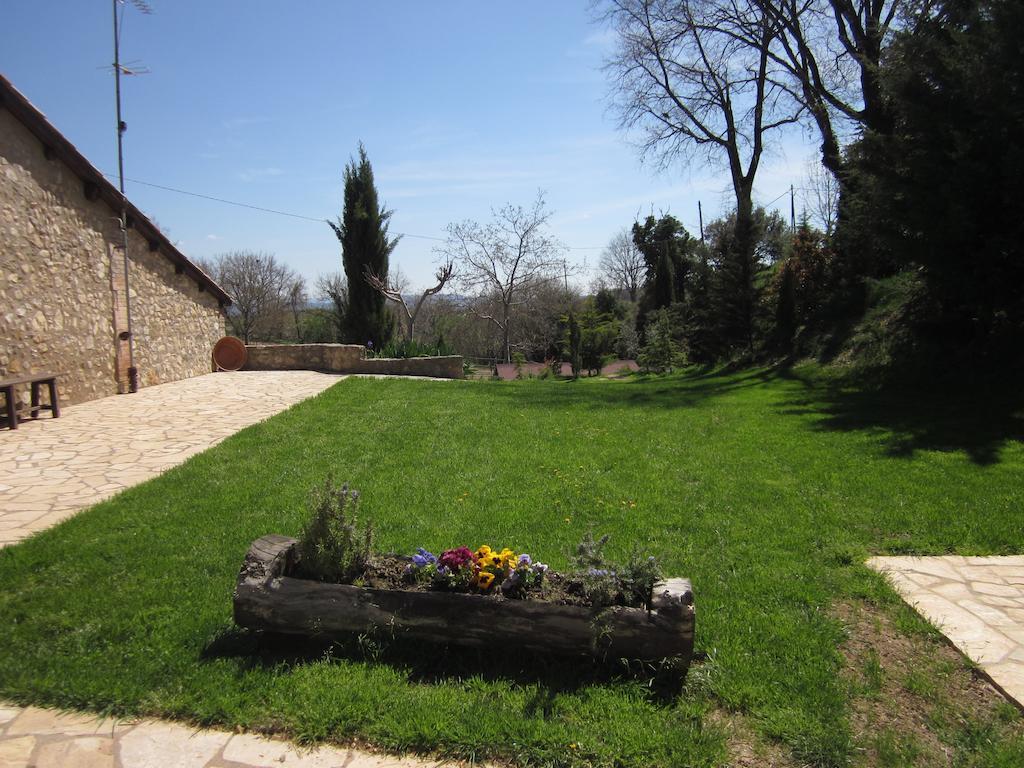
[335, 358]
[346, 358]
[61, 283]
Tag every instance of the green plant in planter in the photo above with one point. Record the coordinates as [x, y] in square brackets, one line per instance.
[605, 583]
[331, 547]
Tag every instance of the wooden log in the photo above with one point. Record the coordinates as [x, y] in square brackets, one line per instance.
[266, 598]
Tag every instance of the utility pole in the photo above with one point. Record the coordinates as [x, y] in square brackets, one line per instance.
[792, 209]
[700, 217]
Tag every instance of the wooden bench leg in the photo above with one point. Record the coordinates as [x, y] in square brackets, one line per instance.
[12, 414]
[35, 400]
[54, 400]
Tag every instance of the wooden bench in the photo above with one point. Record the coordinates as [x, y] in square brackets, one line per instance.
[36, 380]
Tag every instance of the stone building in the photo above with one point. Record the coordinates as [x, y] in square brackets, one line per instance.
[69, 300]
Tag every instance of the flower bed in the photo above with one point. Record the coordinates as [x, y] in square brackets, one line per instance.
[465, 598]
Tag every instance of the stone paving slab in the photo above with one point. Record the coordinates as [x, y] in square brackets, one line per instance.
[43, 738]
[976, 602]
[52, 468]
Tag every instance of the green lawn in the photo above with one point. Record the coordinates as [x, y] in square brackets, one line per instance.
[767, 490]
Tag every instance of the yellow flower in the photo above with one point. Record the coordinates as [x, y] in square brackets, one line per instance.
[485, 580]
[483, 552]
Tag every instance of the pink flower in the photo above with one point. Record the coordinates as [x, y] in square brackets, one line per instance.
[458, 558]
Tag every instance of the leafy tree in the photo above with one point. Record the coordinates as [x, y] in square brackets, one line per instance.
[575, 345]
[605, 303]
[785, 307]
[362, 231]
[627, 343]
[737, 287]
[666, 247]
[941, 192]
[701, 325]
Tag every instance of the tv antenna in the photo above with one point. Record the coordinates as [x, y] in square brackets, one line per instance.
[125, 69]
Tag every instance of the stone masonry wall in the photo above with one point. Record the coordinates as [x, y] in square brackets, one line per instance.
[59, 268]
[346, 358]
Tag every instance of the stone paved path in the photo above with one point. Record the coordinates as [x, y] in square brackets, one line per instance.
[42, 738]
[52, 468]
[976, 602]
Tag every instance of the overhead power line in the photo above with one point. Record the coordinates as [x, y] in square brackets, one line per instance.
[321, 219]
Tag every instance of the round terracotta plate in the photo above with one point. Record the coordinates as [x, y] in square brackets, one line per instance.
[229, 354]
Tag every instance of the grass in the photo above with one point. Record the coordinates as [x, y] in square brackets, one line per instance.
[768, 490]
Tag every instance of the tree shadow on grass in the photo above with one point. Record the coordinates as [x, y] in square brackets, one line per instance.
[669, 392]
[978, 418]
[433, 664]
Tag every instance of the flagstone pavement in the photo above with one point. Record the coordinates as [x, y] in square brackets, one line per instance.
[52, 468]
[43, 738]
[976, 602]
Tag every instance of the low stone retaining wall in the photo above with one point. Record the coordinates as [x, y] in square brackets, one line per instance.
[346, 358]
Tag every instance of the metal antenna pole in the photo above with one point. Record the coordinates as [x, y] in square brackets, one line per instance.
[133, 374]
[127, 334]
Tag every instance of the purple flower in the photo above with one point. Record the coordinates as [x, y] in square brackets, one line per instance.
[597, 572]
[369, 345]
[423, 558]
[524, 559]
[540, 567]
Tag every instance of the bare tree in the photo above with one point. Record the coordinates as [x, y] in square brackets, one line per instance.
[391, 289]
[333, 287]
[822, 196]
[505, 262]
[259, 285]
[830, 50]
[622, 264]
[685, 77]
[297, 299]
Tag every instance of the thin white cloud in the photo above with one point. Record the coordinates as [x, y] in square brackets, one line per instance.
[213, 237]
[252, 174]
[243, 122]
[600, 41]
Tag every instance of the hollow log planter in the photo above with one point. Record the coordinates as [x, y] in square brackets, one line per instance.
[266, 598]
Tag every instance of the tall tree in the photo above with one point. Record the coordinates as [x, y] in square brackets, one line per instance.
[505, 263]
[832, 51]
[684, 77]
[362, 231]
[665, 246]
[940, 194]
[737, 283]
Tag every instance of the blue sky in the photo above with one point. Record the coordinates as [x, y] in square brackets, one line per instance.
[463, 106]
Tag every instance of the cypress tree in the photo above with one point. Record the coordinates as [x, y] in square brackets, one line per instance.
[362, 231]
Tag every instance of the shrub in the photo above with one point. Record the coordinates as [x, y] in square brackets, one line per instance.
[605, 583]
[661, 353]
[518, 360]
[331, 547]
[403, 348]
